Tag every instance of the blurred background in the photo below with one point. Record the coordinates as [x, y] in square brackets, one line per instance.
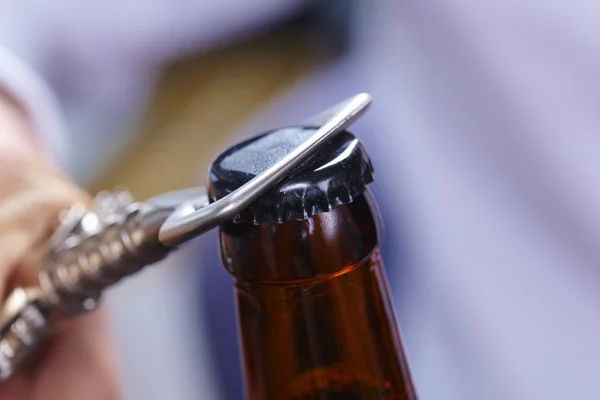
[484, 137]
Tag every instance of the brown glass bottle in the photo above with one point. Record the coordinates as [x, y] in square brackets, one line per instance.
[314, 313]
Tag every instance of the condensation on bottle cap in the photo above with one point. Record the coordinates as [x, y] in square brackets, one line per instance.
[332, 177]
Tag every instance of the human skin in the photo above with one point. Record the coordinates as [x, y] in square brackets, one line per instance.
[77, 360]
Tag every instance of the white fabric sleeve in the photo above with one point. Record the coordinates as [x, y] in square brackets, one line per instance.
[21, 82]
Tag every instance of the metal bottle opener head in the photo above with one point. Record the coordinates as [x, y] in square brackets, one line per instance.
[197, 216]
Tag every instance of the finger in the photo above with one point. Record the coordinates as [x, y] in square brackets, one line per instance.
[27, 272]
[74, 363]
[27, 220]
[15, 388]
[79, 363]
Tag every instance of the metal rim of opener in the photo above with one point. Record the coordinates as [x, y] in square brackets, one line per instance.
[193, 219]
[93, 249]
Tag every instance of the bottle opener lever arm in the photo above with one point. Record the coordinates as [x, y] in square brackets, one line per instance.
[94, 249]
[186, 223]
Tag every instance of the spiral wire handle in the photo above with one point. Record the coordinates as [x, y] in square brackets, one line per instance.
[89, 252]
[93, 249]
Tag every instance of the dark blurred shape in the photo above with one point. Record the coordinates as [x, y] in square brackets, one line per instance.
[330, 24]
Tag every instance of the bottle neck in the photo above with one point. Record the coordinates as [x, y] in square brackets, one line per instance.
[312, 248]
[315, 317]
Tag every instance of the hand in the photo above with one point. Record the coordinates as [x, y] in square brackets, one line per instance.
[76, 362]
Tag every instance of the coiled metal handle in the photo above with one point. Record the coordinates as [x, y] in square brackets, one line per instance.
[96, 248]
[24, 323]
[100, 250]
[89, 252]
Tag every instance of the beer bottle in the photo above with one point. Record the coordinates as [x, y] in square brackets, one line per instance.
[315, 318]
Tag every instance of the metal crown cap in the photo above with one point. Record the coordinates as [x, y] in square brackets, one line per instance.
[332, 177]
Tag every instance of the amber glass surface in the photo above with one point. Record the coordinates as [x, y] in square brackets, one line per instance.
[314, 311]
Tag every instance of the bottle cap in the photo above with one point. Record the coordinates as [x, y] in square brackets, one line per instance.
[332, 177]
